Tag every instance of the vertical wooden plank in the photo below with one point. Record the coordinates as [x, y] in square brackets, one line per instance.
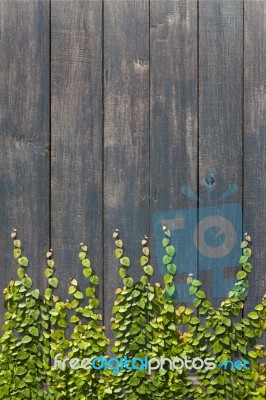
[173, 133]
[255, 142]
[126, 134]
[220, 143]
[24, 137]
[76, 128]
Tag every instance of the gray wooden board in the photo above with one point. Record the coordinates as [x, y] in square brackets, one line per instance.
[76, 137]
[220, 139]
[150, 152]
[173, 134]
[126, 135]
[255, 144]
[24, 135]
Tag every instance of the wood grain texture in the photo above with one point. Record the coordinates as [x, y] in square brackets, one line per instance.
[126, 135]
[127, 99]
[173, 124]
[76, 136]
[255, 143]
[220, 117]
[24, 134]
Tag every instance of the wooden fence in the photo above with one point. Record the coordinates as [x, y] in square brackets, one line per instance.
[109, 109]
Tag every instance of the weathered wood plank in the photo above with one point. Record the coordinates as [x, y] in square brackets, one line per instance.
[173, 132]
[126, 134]
[255, 142]
[76, 129]
[220, 142]
[24, 137]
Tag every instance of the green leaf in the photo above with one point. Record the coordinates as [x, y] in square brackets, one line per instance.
[134, 330]
[50, 263]
[74, 303]
[35, 293]
[20, 273]
[74, 319]
[122, 272]
[243, 259]
[87, 313]
[34, 331]
[53, 282]
[22, 355]
[195, 282]
[128, 282]
[21, 371]
[23, 261]
[247, 252]
[165, 242]
[17, 243]
[87, 272]
[171, 268]
[82, 255]
[200, 294]
[196, 302]
[167, 259]
[227, 322]
[244, 244]
[241, 275]
[148, 270]
[192, 290]
[62, 323]
[78, 295]
[146, 251]
[134, 382]
[118, 253]
[72, 289]
[170, 289]
[194, 321]
[168, 278]
[94, 279]
[170, 250]
[247, 267]
[253, 315]
[90, 291]
[259, 307]
[125, 261]
[119, 243]
[144, 279]
[48, 292]
[17, 253]
[27, 282]
[26, 339]
[217, 347]
[219, 330]
[48, 272]
[86, 263]
[169, 307]
[144, 260]
[253, 354]
[225, 340]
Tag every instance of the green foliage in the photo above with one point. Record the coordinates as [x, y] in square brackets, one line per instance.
[225, 333]
[146, 322]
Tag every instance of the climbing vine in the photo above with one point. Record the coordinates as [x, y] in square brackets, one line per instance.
[147, 323]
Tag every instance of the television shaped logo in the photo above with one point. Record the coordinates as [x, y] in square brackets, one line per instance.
[208, 237]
